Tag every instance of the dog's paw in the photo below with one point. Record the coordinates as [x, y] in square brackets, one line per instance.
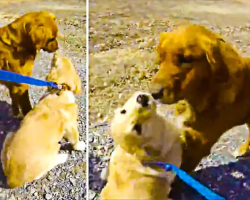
[242, 151]
[104, 174]
[19, 116]
[62, 158]
[79, 146]
[237, 154]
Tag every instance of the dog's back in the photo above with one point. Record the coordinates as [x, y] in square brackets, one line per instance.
[31, 150]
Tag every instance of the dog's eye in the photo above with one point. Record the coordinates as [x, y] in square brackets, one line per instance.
[183, 59]
[123, 112]
[51, 40]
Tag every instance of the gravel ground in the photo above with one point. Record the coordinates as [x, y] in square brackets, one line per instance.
[66, 181]
[118, 26]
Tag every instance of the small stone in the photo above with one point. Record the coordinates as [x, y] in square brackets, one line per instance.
[106, 158]
[92, 195]
[48, 196]
[73, 181]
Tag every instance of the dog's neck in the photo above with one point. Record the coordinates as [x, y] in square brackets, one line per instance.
[48, 92]
[212, 97]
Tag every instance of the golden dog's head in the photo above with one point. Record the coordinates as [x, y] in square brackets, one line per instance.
[191, 57]
[128, 127]
[63, 73]
[35, 30]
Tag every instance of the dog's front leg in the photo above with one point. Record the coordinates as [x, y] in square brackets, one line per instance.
[72, 135]
[25, 103]
[15, 98]
[20, 100]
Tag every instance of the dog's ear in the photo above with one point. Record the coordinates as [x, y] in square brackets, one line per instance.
[215, 58]
[6, 38]
[160, 47]
[52, 16]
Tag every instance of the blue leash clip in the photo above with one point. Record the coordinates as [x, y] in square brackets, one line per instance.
[207, 193]
[18, 78]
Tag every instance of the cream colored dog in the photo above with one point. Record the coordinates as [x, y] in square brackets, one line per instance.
[33, 150]
[138, 130]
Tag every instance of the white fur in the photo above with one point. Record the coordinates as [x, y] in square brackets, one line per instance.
[80, 146]
[70, 95]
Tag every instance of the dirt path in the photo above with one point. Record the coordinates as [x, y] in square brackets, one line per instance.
[66, 181]
[123, 35]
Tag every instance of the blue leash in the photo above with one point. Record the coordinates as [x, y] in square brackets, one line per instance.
[210, 195]
[18, 78]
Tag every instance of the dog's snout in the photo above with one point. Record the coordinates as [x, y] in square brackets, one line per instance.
[157, 91]
[143, 100]
[158, 94]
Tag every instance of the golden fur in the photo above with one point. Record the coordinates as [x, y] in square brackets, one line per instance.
[19, 43]
[199, 66]
[32, 151]
[61, 66]
[137, 129]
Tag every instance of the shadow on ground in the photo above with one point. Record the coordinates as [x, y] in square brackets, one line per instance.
[232, 181]
[95, 182]
[7, 124]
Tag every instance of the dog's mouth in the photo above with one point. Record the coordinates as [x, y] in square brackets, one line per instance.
[166, 96]
[138, 128]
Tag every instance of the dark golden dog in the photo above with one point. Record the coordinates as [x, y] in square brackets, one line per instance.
[19, 43]
[199, 66]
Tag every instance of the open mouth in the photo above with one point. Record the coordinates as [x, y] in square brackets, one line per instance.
[138, 128]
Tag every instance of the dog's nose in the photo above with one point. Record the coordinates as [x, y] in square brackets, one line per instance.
[157, 91]
[158, 95]
[143, 100]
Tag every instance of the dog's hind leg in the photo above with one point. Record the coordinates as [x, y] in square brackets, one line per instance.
[20, 100]
[72, 135]
[7, 141]
[60, 159]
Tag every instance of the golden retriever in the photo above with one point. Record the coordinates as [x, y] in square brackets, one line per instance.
[19, 43]
[201, 67]
[137, 129]
[32, 151]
